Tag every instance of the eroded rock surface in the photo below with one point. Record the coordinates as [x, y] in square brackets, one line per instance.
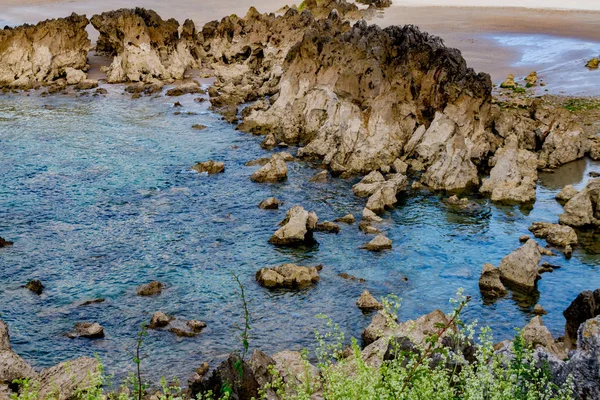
[557, 235]
[490, 283]
[520, 268]
[297, 228]
[31, 55]
[287, 276]
[273, 171]
[583, 209]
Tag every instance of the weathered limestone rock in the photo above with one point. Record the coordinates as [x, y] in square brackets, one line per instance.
[86, 330]
[582, 209]
[144, 46]
[490, 284]
[186, 329]
[369, 184]
[385, 196]
[35, 286]
[399, 167]
[269, 204]
[380, 243]
[566, 194]
[12, 366]
[64, 380]
[159, 320]
[269, 143]
[367, 302]
[150, 289]
[557, 235]
[210, 167]
[346, 219]
[294, 370]
[586, 306]
[509, 83]
[520, 268]
[514, 176]
[370, 216]
[40, 54]
[537, 334]
[327, 227]
[297, 228]
[531, 79]
[566, 140]
[287, 276]
[273, 171]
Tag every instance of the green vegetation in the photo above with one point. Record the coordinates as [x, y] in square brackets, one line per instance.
[519, 90]
[582, 104]
[428, 370]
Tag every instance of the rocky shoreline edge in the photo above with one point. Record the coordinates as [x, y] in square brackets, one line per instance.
[392, 104]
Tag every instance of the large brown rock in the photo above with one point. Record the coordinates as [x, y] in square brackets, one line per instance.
[273, 171]
[557, 235]
[520, 268]
[385, 196]
[584, 307]
[367, 302]
[39, 54]
[536, 334]
[144, 46]
[583, 209]
[297, 228]
[490, 283]
[210, 167]
[514, 176]
[287, 276]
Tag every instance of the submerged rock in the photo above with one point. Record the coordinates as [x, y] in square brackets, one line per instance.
[367, 302]
[269, 204]
[582, 209]
[210, 167]
[490, 284]
[5, 243]
[520, 268]
[346, 219]
[86, 330]
[40, 54]
[287, 276]
[380, 243]
[557, 235]
[150, 289]
[274, 171]
[35, 286]
[327, 227]
[297, 228]
[12, 367]
[144, 46]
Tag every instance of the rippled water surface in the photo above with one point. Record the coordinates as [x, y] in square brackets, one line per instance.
[98, 197]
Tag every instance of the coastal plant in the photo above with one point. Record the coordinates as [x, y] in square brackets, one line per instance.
[246, 328]
[28, 389]
[135, 379]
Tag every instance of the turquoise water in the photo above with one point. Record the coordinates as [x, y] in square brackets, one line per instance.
[98, 197]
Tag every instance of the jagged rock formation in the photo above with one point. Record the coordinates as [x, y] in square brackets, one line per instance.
[557, 235]
[31, 55]
[296, 229]
[520, 267]
[583, 209]
[144, 46]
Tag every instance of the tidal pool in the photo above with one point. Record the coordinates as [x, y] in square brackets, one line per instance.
[98, 196]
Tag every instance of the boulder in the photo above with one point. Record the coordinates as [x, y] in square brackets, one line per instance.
[297, 228]
[367, 228]
[514, 176]
[536, 334]
[520, 268]
[274, 171]
[346, 219]
[40, 54]
[210, 167]
[386, 195]
[86, 330]
[399, 167]
[269, 204]
[490, 284]
[557, 235]
[144, 47]
[370, 216]
[321, 177]
[269, 142]
[159, 320]
[287, 276]
[295, 370]
[327, 227]
[261, 365]
[566, 194]
[582, 209]
[586, 306]
[35, 286]
[150, 289]
[367, 302]
[379, 243]
[5, 243]
[65, 380]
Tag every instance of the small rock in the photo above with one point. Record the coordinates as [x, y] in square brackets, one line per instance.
[328, 227]
[203, 369]
[490, 284]
[177, 104]
[381, 242]
[282, 145]
[90, 302]
[321, 177]
[296, 229]
[274, 171]
[5, 243]
[509, 83]
[346, 219]
[199, 127]
[287, 276]
[367, 302]
[524, 238]
[269, 142]
[539, 310]
[367, 228]
[531, 79]
[185, 88]
[211, 167]
[399, 167]
[35, 286]
[594, 63]
[568, 251]
[150, 289]
[196, 326]
[349, 277]
[87, 330]
[182, 332]
[557, 235]
[159, 320]
[594, 174]
[370, 216]
[269, 204]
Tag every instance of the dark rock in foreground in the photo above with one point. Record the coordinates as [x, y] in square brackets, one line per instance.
[150, 289]
[35, 286]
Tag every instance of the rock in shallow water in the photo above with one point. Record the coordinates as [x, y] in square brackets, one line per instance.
[520, 268]
[346, 219]
[490, 284]
[297, 229]
[287, 276]
[210, 167]
[582, 209]
[159, 320]
[35, 286]
[150, 289]
[367, 302]
[557, 235]
[269, 204]
[380, 243]
[274, 171]
[5, 243]
[87, 330]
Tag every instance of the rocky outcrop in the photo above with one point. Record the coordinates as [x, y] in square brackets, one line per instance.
[269, 204]
[287, 276]
[369, 184]
[273, 171]
[586, 306]
[159, 320]
[490, 283]
[31, 55]
[356, 97]
[150, 289]
[210, 167]
[536, 334]
[584, 208]
[385, 196]
[566, 194]
[367, 302]
[557, 235]
[514, 174]
[297, 228]
[520, 268]
[379, 243]
[144, 46]
[12, 366]
[65, 380]
[86, 330]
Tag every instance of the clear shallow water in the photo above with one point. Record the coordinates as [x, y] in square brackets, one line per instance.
[98, 197]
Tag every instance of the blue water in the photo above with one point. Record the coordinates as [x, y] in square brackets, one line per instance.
[98, 197]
